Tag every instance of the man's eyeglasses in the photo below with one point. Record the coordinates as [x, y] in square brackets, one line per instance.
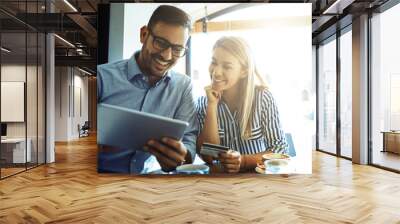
[162, 44]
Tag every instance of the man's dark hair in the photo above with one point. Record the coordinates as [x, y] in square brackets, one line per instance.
[170, 15]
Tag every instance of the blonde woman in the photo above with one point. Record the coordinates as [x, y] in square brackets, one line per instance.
[239, 111]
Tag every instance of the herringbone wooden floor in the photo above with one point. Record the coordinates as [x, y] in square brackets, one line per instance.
[71, 191]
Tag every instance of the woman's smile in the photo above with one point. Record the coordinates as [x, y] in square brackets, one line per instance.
[218, 83]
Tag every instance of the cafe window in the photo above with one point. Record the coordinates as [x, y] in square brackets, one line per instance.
[385, 87]
[346, 93]
[327, 96]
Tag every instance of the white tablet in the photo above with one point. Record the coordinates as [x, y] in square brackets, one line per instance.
[131, 129]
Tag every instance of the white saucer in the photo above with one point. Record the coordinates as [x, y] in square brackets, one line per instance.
[262, 171]
[286, 170]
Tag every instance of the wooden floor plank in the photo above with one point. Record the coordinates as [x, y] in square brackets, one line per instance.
[71, 191]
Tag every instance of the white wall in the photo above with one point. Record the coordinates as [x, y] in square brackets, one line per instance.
[33, 126]
[125, 40]
[12, 100]
[132, 24]
[70, 83]
[80, 100]
[13, 72]
[61, 103]
[16, 73]
[116, 35]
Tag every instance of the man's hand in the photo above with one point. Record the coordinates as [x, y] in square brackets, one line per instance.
[169, 152]
[231, 161]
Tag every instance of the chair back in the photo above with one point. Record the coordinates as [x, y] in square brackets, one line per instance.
[289, 140]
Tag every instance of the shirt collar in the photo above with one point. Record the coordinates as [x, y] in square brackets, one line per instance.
[135, 72]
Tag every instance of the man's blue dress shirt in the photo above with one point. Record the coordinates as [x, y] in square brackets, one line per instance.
[122, 84]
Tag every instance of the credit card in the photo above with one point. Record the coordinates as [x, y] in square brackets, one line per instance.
[212, 149]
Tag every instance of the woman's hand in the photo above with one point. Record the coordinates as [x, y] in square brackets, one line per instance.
[230, 161]
[213, 96]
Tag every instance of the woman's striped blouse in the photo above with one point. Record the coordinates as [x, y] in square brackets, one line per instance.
[266, 133]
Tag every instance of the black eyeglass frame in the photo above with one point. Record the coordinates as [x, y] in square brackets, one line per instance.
[174, 47]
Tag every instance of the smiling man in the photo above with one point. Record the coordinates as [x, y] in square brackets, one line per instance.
[146, 82]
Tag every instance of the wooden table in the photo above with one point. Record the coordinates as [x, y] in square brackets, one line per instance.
[217, 170]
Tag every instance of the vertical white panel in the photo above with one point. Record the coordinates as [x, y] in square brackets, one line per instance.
[360, 90]
[12, 101]
[50, 100]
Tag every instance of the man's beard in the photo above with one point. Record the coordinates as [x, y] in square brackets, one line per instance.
[156, 60]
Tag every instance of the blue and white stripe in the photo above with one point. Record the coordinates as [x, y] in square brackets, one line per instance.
[266, 133]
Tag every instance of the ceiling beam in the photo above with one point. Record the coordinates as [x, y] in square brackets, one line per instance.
[81, 21]
[84, 24]
[337, 6]
[84, 61]
[320, 22]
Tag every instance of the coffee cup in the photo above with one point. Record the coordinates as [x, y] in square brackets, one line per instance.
[275, 165]
[270, 156]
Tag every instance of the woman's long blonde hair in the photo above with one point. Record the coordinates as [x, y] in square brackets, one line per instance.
[239, 48]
